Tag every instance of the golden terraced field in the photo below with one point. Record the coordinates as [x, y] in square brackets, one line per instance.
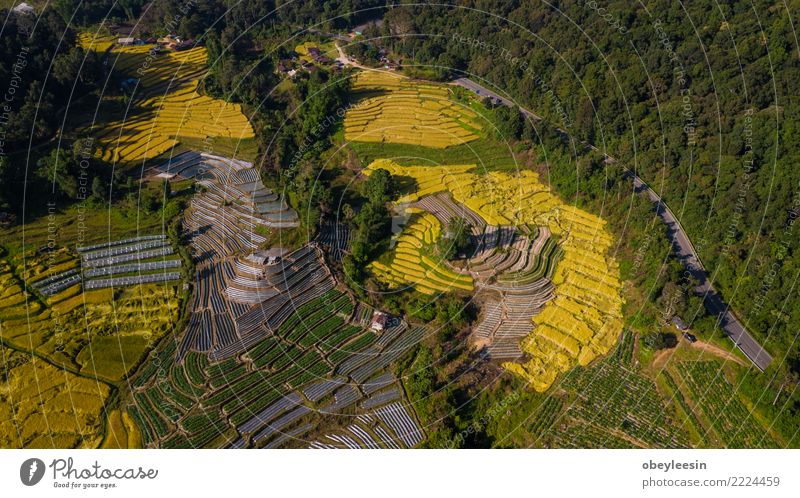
[401, 110]
[413, 263]
[167, 108]
[584, 320]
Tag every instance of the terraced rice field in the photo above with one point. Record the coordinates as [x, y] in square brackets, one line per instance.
[400, 110]
[235, 296]
[583, 320]
[167, 107]
[42, 406]
[320, 365]
[94, 41]
[413, 263]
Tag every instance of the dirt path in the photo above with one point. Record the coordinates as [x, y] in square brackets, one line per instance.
[718, 351]
[662, 357]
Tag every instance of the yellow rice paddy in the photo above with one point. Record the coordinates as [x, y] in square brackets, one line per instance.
[167, 107]
[400, 110]
[412, 265]
[584, 319]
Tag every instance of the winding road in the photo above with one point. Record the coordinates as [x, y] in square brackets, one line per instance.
[681, 243]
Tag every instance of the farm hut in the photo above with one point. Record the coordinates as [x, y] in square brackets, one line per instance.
[379, 321]
[184, 45]
[23, 8]
[271, 256]
[6, 219]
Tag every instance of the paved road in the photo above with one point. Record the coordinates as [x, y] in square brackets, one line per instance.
[681, 244]
[687, 254]
[485, 92]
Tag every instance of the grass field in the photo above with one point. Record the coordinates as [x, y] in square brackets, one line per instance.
[413, 263]
[121, 432]
[486, 153]
[584, 320]
[394, 109]
[102, 332]
[42, 406]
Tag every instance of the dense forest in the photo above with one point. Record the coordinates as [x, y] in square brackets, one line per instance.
[700, 101]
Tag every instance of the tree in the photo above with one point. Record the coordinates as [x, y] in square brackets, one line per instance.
[5, 174]
[672, 301]
[660, 340]
[455, 239]
[58, 168]
[379, 187]
[98, 188]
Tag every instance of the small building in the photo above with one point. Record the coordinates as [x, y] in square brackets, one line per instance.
[379, 321]
[679, 323]
[317, 56]
[271, 256]
[23, 8]
[184, 45]
[287, 67]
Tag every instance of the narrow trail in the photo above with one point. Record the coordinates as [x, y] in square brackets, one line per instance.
[664, 356]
